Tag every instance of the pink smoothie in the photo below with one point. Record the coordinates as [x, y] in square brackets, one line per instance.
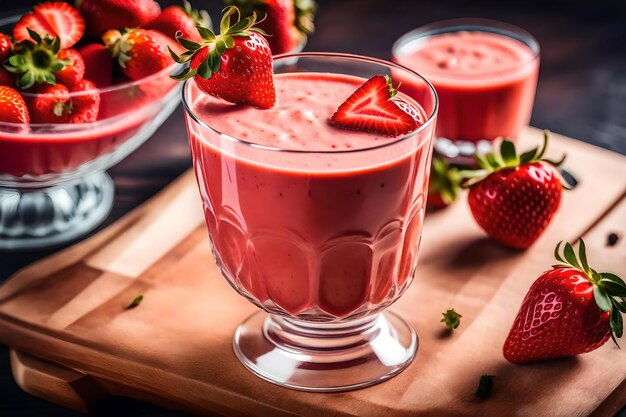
[324, 233]
[485, 82]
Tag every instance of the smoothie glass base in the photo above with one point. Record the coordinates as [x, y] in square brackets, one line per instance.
[325, 357]
[322, 240]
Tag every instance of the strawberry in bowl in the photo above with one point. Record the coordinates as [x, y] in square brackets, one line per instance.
[74, 105]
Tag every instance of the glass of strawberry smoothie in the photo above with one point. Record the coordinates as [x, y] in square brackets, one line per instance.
[485, 73]
[316, 225]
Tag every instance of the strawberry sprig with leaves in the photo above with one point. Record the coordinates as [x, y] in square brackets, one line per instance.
[217, 44]
[609, 290]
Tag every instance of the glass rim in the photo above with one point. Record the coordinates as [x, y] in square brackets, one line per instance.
[470, 24]
[429, 120]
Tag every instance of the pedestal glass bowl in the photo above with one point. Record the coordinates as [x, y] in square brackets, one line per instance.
[53, 184]
[321, 241]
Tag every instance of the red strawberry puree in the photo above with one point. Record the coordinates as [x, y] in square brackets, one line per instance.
[314, 233]
[485, 82]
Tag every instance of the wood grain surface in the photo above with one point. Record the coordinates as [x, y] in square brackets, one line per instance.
[67, 315]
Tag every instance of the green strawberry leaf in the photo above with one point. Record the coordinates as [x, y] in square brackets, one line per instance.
[507, 150]
[602, 299]
[557, 253]
[485, 386]
[613, 288]
[570, 255]
[189, 45]
[204, 70]
[206, 34]
[617, 323]
[612, 277]
[582, 254]
[526, 157]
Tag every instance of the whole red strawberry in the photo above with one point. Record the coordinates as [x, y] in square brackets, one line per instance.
[12, 106]
[39, 60]
[102, 15]
[6, 45]
[74, 71]
[98, 64]
[444, 185]
[55, 19]
[235, 65]
[140, 52]
[174, 19]
[514, 198]
[374, 108]
[287, 22]
[569, 310]
[49, 103]
[85, 102]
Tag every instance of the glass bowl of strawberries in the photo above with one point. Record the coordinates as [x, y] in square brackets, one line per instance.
[78, 93]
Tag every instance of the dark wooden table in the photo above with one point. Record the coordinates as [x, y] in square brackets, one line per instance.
[581, 93]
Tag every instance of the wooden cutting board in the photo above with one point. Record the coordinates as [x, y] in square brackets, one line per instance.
[75, 342]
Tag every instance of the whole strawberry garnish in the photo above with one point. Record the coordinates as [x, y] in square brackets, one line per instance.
[55, 19]
[140, 52]
[235, 65]
[444, 185]
[12, 106]
[569, 310]
[174, 19]
[49, 104]
[6, 46]
[287, 22]
[513, 198]
[39, 60]
[103, 15]
[372, 108]
[98, 64]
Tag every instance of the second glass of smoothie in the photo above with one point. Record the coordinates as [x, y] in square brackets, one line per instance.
[316, 225]
[485, 73]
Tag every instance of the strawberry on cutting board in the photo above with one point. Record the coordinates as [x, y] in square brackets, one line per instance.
[235, 65]
[174, 19]
[569, 310]
[102, 15]
[12, 106]
[55, 19]
[374, 108]
[39, 60]
[140, 52]
[287, 22]
[514, 197]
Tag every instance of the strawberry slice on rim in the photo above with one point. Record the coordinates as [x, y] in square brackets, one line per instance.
[372, 108]
[56, 19]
